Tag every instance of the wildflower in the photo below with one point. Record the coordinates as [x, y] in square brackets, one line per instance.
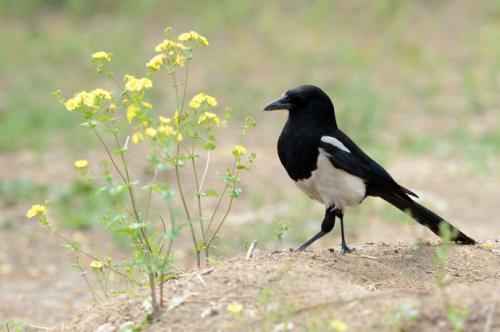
[156, 62]
[81, 164]
[193, 36]
[102, 56]
[137, 138]
[164, 120]
[137, 84]
[150, 132]
[209, 117]
[239, 150]
[97, 265]
[132, 112]
[235, 308]
[179, 60]
[147, 105]
[79, 99]
[112, 107]
[338, 325]
[178, 137]
[201, 98]
[211, 101]
[166, 130]
[36, 210]
[100, 94]
[165, 45]
[72, 104]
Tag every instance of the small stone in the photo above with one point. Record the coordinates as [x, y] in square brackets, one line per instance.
[487, 245]
[208, 312]
[108, 327]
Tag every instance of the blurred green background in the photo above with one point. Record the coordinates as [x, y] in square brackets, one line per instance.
[410, 80]
[389, 64]
[407, 78]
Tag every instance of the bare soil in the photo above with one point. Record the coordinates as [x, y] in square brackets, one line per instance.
[306, 291]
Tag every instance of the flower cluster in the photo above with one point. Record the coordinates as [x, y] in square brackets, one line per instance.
[134, 84]
[102, 56]
[193, 36]
[201, 98]
[209, 118]
[156, 62]
[36, 210]
[89, 99]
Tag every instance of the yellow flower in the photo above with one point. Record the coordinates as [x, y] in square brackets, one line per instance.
[211, 101]
[165, 45]
[208, 117]
[112, 107]
[102, 56]
[137, 137]
[71, 104]
[178, 137]
[101, 93]
[81, 164]
[36, 210]
[193, 36]
[179, 60]
[166, 130]
[164, 120]
[132, 112]
[147, 105]
[201, 98]
[156, 62]
[235, 308]
[151, 132]
[239, 150]
[137, 84]
[97, 265]
[338, 325]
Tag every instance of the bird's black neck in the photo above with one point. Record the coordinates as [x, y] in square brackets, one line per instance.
[314, 118]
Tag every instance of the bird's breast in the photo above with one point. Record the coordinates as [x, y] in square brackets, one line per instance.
[332, 186]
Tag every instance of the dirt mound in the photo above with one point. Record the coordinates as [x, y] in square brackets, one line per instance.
[382, 287]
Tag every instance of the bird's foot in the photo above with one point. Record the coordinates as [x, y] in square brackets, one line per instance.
[301, 248]
[344, 249]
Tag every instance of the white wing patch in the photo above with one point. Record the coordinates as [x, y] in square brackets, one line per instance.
[335, 142]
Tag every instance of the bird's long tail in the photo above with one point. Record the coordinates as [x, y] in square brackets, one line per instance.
[426, 217]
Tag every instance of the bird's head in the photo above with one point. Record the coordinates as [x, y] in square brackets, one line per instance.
[305, 102]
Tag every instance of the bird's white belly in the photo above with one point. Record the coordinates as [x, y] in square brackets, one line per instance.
[332, 186]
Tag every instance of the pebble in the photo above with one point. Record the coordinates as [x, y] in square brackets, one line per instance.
[209, 312]
[108, 327]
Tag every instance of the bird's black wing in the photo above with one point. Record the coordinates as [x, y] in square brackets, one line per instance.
[377, 179]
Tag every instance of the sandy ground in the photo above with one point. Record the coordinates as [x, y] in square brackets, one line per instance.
[307, 291]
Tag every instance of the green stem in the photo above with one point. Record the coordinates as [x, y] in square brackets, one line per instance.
[177, 172]
[223, 218]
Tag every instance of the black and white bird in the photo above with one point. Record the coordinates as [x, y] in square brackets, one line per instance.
[330, 168]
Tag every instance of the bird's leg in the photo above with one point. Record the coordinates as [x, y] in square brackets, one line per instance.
[326, 227]
[343, 248]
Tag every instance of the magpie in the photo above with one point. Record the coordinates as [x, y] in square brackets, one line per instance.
[330, 168]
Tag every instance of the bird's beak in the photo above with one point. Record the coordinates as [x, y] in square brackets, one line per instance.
[278, 104]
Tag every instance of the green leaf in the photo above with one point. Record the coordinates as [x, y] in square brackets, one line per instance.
[235, 193]
[243, 167]
[211, 193]
[89, 124]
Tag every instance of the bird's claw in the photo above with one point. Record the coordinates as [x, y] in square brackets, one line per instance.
[344, 249]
